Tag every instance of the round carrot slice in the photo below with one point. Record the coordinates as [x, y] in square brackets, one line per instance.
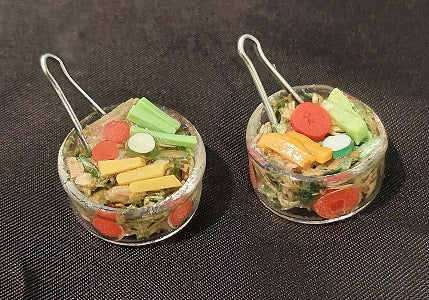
[180, 214]
[105, 150]
[110, 215]
[116, 131]
[108, 227]
[311, 120]
[335, 203]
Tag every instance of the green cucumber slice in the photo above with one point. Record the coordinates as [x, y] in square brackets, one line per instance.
[146, 119]
[337, 98]
[145, 104]
[340, 144]
[141, 143]
[188, 141]
[354, 125]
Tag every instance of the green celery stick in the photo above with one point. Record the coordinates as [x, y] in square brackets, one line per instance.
[146, 119]
[188, 141]
[145, 104]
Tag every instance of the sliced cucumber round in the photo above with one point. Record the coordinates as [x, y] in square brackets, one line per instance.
[141, 143]
[341, 145]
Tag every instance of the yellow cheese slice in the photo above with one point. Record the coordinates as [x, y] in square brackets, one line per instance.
[157, 169]
[155, 184]
[111, 167]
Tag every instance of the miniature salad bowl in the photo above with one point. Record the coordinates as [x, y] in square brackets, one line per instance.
[151, 216]
[333, 189]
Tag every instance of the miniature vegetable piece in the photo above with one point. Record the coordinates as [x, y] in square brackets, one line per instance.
[311, 120]
[157, 169]
[116, 131]
[88, 166]
[174, 153]
[180, 214]
[188, 141]
[368, 147]
[149, 106]
[155, 184]
[111, 167]
[321, 154]
[111, 215]
[335, 203]
[340, 144]
[289, 148]
[105, 150]
[146, 119]
[342, 113]
[141, 143]
[108, 227]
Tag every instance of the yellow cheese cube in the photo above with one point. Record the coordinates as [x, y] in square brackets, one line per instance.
[155, 184]
[157, 169]
[111, 167]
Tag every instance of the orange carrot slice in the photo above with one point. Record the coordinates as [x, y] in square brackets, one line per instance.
[116, 131]
[335, 203]
[105, 150]
[311, 120]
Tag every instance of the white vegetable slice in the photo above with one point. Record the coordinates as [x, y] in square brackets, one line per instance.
[141, 143]
[341, 145]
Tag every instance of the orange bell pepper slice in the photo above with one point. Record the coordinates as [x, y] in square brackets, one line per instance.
[320, 153]
[287, 147]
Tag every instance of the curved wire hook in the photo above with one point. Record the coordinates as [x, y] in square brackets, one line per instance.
[65, 102]
[255, 76]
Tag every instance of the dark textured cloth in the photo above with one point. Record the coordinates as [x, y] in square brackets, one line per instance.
[183, 54]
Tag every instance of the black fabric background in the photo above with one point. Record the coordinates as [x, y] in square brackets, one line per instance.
[183, 54]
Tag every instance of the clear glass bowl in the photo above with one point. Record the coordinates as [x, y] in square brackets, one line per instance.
[366, 176]
[143, 225]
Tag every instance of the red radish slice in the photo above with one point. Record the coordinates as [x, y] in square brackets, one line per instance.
[179, 215]
[116, 131]
[311, 120]
[108, 227]
[335, 203]
[105, 150]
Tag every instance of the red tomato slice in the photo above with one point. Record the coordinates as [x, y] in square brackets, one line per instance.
[179, 215]
[116, 131]
[105, 150]
[255, 181]
[108, 227]
[311, 120]
[110, 215]
[257, 156]
[337, 178]
[335, 203]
